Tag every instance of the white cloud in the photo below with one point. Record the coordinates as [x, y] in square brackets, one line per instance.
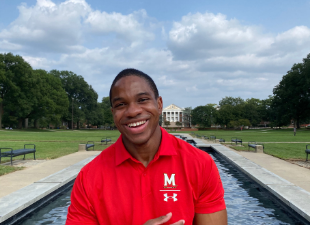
[204, 36]
[129, 27]
[166, 82]
[49, 27]
[201, 59]
[192, 88]
[40, 62]
[8, 46]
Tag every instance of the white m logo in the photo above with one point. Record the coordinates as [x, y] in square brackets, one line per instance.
[170, 180]
[171, 197]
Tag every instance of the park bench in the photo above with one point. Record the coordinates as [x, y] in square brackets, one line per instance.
[90, 144]
[18, 152]
[253, 144]
[193, 134]
[221, 140]
[106, 140]
[236, 140]
[212, 137]
[205, 137]
[307, 152]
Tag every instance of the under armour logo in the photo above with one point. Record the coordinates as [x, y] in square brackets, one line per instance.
[170, 197]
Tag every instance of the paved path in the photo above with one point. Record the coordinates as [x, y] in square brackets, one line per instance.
[14, 181]
[295, 174]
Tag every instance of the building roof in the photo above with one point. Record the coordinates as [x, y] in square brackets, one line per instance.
[173, 107]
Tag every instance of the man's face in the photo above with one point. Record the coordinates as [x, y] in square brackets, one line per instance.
[135, 109]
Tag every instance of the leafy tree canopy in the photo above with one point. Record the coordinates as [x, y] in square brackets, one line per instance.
[292, 95]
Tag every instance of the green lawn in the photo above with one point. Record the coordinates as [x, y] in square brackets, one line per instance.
[51, 144]
[262, 135]
[9, 169]
[283, 150]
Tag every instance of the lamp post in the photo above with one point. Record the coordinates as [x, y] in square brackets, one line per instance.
[72, 116]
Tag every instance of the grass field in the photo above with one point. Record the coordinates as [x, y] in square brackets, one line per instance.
[260, 135]
[288, 148]
[51, 144]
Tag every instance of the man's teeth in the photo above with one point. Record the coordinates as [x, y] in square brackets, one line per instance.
[136, 124]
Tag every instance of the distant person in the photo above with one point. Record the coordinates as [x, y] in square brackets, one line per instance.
[148, 176]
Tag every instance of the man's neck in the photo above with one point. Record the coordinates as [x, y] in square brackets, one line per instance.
[146, 151]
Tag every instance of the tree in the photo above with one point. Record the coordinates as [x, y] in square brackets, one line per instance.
[167, 123]
[239, 123]
[178, 123]
[225, 115]
[18, 93]
[186, 116]
[160, 122]
[80, 95]
[251, 110]
[107, 113]
[292, 95]
[231, 101]
[231, 109]
[51, 100]
[202, 115]
[91, 107]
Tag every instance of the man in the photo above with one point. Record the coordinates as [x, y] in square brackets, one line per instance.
[148, 176]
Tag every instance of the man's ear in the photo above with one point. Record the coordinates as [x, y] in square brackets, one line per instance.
[160, 104]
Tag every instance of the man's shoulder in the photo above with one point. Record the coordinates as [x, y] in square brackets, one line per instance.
[104, 160]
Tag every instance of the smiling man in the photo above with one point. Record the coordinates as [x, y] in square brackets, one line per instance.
[148, 177]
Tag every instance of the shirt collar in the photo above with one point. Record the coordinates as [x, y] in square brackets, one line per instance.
[166, 148]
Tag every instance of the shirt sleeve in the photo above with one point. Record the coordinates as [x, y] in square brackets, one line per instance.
[211, 191]
[80, 211]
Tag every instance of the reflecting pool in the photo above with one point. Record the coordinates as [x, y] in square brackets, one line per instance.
[246, 203]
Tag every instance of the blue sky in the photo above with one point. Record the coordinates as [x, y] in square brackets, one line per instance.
[196, 51]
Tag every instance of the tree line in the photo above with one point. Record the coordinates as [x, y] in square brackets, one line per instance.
[290, 101]
[43, 98]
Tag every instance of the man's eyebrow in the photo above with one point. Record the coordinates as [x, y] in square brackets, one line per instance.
[143, 93]
[116, 99]
[139, 94]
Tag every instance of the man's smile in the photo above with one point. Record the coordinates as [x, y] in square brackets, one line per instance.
[137, 127]
[136, 124]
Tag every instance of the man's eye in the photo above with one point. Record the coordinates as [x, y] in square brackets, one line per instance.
[143, 99]
[118, 105]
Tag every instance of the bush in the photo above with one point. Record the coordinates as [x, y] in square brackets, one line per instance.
[239, 123]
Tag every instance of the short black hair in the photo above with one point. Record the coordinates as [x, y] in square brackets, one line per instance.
[138, 73]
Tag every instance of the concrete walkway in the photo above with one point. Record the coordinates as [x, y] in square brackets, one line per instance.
[293, 173]
[297, 175]
[12, 182]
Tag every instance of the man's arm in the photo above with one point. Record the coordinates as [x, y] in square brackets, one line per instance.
[217, 218]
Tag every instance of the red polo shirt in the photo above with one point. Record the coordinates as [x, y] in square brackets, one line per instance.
[115, 188]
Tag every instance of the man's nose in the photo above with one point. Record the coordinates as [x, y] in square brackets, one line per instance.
[133, 110]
